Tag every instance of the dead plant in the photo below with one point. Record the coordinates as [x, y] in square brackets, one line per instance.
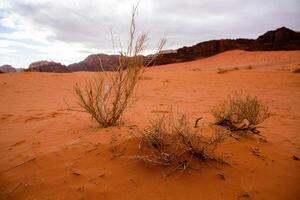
[241, 113]
[107, 96]
[296, 70]
[223, 71]
[249, 67]
[169, 141]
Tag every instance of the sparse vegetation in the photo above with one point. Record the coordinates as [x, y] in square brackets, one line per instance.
[106, 97]
[249, 67]
[196, 69]
[169, 141]
[241, 113]
[223, 71]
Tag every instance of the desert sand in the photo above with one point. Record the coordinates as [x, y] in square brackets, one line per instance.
[49, 152]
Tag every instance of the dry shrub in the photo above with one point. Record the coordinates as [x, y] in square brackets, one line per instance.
[170, 141]
[249, 67]
[107, 96]
[241, 113]
[196, 69]
[296, 70]
[223, 71]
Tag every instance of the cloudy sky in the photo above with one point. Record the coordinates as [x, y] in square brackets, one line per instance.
[67, 31]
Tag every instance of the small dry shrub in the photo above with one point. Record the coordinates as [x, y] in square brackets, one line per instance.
[106, 97]
[170, 141]
[223, 71]
[249, 67]
[197, 69]
[297, 70]
[241, 112]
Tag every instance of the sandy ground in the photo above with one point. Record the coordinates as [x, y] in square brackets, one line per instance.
[48, 152]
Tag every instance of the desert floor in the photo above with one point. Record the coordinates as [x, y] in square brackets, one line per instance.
[48, 152]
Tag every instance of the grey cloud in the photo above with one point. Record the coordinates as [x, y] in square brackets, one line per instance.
[184, 22]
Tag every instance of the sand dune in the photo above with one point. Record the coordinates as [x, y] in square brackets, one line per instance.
[48, 152]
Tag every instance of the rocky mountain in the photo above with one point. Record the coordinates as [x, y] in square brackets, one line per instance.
[203, 49]
[47, 66]
[279, 39]
[96, 62]
[7, 69]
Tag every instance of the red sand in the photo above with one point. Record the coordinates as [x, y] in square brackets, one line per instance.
[47, 152]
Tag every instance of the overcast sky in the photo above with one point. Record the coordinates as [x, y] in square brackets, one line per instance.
[67, 31]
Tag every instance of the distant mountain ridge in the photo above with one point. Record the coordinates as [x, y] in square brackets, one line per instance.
[7, 69]
[279, 39]
[96, 62]
[47, 66]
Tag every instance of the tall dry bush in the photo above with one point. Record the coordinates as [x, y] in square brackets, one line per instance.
[107, 96]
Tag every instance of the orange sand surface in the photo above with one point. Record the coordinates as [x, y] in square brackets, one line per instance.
[48, 152]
